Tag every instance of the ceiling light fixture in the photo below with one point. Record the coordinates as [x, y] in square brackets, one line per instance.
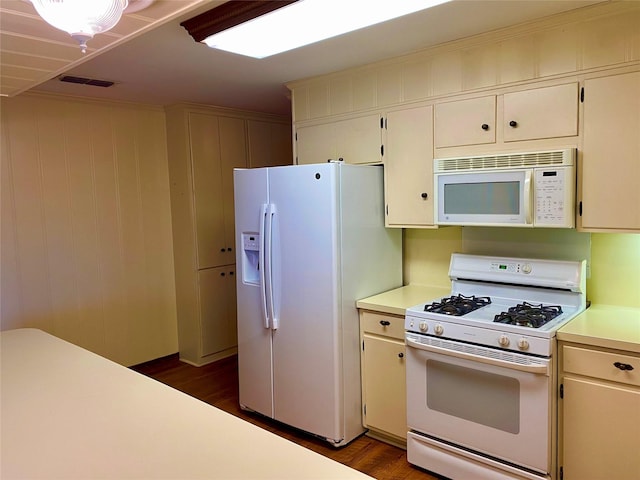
[81, 19]
[304, 22]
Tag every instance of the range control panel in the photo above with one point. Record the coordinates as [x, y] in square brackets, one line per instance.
[524, 268]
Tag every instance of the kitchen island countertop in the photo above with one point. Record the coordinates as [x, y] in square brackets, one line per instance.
[396, 301]
[607, 326]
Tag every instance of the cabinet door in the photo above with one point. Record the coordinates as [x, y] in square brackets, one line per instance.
[233, 154]
[408, 167]
[207, 185]
[465, 122]
[601, 431]
[269, 144]
[358, 140]
[611, 153]
[315, 144]
[217, 297]
[384, 385]
[541, 113]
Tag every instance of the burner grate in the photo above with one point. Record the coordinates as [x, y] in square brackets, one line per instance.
[529, 315]
[457, 305]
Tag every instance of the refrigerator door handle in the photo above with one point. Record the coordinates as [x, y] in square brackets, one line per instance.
[271, 213]
[262, 265]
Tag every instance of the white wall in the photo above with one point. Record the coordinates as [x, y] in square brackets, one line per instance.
[86, 244]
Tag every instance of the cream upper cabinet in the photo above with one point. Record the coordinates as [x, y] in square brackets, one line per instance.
[548, 112]
[355, 140]
[269, 143]
[315, 144]
[610, 166]
[383, 376]
[600, 414]
[204, 139]
[465, 122]
[408, 167]
[498, 121]
[217, 147]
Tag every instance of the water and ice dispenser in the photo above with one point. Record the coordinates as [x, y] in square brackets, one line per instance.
[251, 259]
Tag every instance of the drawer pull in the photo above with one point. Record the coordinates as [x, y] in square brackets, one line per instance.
[385, 323]
[623, 366]
[401, 355]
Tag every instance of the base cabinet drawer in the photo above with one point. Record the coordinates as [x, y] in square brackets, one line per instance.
[613, 367]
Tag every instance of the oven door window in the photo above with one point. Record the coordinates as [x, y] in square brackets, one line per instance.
[466, 393]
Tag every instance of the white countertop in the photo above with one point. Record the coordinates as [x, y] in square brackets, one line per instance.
[607, 326]
[68, 413]
[396, 301]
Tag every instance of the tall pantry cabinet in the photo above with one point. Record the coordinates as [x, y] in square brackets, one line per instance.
[204, 146]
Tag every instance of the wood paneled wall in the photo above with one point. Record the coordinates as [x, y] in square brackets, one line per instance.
[86, 225]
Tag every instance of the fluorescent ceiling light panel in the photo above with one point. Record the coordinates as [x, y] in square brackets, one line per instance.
[309, 21]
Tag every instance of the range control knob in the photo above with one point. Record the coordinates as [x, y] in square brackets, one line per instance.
[523, 344]
[423, 326]
[439, 329]
[503, 341]
[526, 268]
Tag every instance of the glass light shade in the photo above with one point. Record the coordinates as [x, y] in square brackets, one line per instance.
[81, 19]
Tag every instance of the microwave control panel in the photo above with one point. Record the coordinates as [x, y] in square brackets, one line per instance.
[553, 205]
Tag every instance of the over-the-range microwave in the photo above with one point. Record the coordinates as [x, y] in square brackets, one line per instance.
[534, 189]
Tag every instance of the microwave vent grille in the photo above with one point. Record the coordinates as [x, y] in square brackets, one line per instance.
[514, 160]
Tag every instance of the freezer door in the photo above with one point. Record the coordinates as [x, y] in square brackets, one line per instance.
[306, 358]
[255, 369]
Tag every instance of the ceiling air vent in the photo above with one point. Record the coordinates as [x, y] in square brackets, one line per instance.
[86, 81]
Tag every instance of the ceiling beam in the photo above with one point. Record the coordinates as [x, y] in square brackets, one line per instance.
[228, 15]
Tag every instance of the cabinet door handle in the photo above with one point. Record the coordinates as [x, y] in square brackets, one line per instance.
[424, 195]
[485, 126]
[385, 323]
[513, 123]
[222, 274]
[229, 249]
[223, 249]
[401, 355]
[623, 366]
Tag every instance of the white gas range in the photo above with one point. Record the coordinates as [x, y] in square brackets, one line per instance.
[480, 368]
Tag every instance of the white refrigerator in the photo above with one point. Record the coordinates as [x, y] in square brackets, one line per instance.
[310, 242]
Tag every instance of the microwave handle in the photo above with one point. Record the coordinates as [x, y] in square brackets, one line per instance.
[528, 200]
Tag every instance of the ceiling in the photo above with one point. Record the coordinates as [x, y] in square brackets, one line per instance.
[153, 60]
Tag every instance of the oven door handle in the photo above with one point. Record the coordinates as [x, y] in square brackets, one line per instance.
[542, 369]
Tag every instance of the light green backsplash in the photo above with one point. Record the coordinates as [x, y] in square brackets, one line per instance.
[615, 269]
[613, 259]
[427, 254]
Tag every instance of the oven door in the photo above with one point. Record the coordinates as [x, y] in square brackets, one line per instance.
[493, 402]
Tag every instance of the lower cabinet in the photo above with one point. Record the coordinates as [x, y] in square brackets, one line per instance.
[384, 409]
[599, 414]
[218, 320]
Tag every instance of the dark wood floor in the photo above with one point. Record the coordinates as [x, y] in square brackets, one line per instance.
[217, 384]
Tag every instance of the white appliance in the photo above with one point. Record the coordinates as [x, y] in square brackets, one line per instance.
[516, 189]
[310, 241]
[481, 382]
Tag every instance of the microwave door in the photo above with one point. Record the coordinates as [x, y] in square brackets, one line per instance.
[485, 198]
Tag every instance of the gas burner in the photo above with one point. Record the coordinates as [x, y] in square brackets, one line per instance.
[457, 305]
[527, 315]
